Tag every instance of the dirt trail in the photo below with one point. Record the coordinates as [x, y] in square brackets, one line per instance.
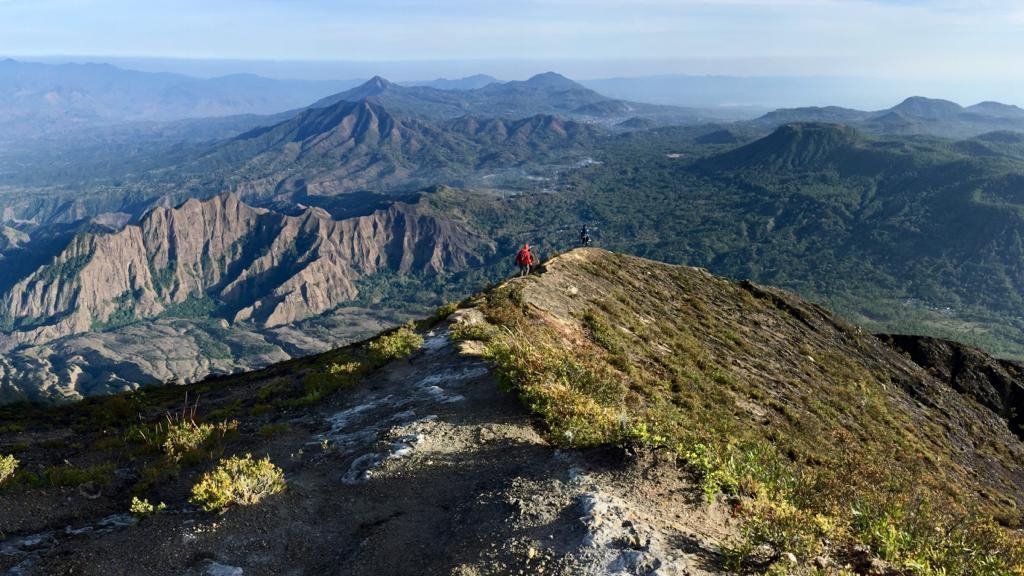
[426, 469]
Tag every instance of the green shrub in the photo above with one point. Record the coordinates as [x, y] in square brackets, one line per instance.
[711, 475]
[142, 508]
[398, 344]
[443, 311]
[603, 334]
[273, 389]
[321, 383]
[237, 480]
[479, 331]
[186, 438]
[225, 412]
[8, 464]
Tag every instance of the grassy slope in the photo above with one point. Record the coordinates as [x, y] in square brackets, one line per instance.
[826, 437]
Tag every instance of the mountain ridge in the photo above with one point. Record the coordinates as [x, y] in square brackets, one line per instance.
[914, 115]
[700, 426]
[545, 93]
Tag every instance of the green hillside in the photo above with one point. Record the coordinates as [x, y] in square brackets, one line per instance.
[898, 234]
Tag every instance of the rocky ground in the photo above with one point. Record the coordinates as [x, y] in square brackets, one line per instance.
[426, 468]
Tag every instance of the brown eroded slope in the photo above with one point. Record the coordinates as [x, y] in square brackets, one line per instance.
[264, 267]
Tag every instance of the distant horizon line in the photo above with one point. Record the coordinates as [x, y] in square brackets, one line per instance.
[542, 62]
[857, 92]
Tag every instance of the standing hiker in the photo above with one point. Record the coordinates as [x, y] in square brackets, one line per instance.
[524, 259]
[584, 236]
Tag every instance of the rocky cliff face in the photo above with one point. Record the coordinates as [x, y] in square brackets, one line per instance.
[264, 267]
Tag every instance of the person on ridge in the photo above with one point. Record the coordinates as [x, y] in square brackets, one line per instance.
[524, 259]
[584, 236]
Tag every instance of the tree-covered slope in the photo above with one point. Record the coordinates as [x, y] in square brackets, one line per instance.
[900, 234]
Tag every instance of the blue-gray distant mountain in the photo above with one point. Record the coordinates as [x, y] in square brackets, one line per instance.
[34, 95]
[915, 115]
[468, 83]
[547, 93]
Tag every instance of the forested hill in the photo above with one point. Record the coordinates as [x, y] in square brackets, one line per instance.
[913, 235]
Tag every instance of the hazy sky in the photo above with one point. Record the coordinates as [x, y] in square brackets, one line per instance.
[969, 40]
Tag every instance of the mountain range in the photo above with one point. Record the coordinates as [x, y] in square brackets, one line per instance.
[37, 97]
[546, 93]
[318, 156]
[915, 115]
[243, 240]
[465, 83]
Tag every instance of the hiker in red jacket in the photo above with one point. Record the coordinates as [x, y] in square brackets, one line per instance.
[524, 259]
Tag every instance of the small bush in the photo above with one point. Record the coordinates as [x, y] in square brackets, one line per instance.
[142, 508]
[712, 477]
[273, 389]
[237, 480]
[186, 438]
[398, 344]
[479, 331]
[226, 412]
[320, 384]
[8, 464]
[443, 311]
[603, 334]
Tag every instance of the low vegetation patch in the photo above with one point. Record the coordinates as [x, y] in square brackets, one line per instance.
[443, 311]
[324, 381]
[186, 440]
[237, 480]
[8, 465]
[478, 331]
[181, 437]
[394, 345]
[142, 508]
[65, 475]
[804, 440]
[271, 430]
